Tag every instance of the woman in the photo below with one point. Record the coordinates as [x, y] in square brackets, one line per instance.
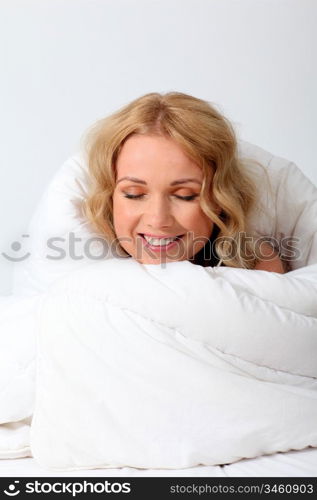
[167, 185]
[180, 366]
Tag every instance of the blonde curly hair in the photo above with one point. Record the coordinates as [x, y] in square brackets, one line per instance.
[207, 137]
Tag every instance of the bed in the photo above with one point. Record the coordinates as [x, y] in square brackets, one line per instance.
[43, 284]
[301, 463]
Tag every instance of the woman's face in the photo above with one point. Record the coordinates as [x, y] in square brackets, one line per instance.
[156, 210]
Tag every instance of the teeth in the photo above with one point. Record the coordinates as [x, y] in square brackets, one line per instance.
[159, 242]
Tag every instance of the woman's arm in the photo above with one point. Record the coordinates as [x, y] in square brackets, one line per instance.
[269, 260]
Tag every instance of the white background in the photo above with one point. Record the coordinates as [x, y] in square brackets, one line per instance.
[66, 63]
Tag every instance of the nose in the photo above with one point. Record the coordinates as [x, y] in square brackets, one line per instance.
[158, 214]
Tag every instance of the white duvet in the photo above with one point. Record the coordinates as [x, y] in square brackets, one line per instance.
[160, 367]
[173, 367]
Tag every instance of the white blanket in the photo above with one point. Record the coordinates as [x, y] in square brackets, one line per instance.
[171, 367]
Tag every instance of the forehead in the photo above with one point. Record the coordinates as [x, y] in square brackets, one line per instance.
[154, 155]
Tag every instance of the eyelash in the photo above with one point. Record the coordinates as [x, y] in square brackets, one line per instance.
[184, 198]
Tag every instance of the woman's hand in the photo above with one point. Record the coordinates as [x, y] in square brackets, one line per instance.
[269, 260]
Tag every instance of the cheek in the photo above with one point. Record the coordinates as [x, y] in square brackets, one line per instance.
[123, 216]
[198, 222]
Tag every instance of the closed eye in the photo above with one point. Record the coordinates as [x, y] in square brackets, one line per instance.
[186, 198]
[133, 196]
[139, 196]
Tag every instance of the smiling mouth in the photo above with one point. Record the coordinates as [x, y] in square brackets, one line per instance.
[160, 242]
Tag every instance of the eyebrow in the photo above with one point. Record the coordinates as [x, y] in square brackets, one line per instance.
[174, 183]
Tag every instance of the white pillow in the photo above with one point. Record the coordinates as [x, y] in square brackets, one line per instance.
[287, 206]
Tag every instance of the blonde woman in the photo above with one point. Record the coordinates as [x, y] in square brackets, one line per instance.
[167, 185]
[184, 365]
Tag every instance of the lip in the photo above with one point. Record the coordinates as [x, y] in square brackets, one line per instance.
[161, 236]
